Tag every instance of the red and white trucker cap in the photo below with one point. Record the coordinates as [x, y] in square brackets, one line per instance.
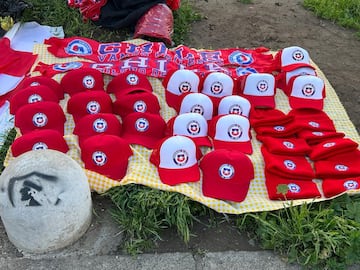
[82, 79]
[31, 94]
[259, 89]
[95, 124]
[231, 132]
[226, 175]
[292, 57]
[234, 105]
[107, 155]
[192, 125]
[178, 83]
[144, 129]
[295, 188]
[138, 101]
[217, 85]
[40, 115]
[127, 82]
[306, 91]
[43, 80]
[176, 159]
[38, 140]
[89, 102]
[197, 103]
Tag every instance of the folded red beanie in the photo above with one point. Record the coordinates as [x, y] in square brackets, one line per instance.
[339, 166]
[332, 148]
[278, 131]
[285, 146]
[333, 187]
[266, 117]
[295, 167]
[295, 188]
[316, 137]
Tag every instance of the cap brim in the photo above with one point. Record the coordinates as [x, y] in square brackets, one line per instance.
[173, 101]
[202, 141]
[223, 190]
[261, 101]
[244, 147]
[179, 176]
[296, 66]
[115, 171]
[146, 141]
[306, 103]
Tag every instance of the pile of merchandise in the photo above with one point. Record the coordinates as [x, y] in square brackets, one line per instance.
[221, 101]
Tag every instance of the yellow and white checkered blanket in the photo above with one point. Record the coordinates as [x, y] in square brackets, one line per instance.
[141, 171]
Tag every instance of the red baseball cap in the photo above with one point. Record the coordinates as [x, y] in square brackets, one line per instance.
[226, 175]
[176, 159]
[89, 102]
[107, 155]
[82, 79]
[31, 94]
[259, 89]
[217, 85]
[136, 101]
[127, 82]
[296, 189]
[234, 105]
[231, 132]
[40, 115]
[296, 167]
[43, 80]
[192, 125]
[178, 83]
[306, 91]
[95, 124]
[197, 103]
[144, 129]
[38, 140]
[333, 187]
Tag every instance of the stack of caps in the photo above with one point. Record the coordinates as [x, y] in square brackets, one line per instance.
[226, 174]
[292, 61]
[98, 129]
[138, 108]
[38, 116]
[215, 85]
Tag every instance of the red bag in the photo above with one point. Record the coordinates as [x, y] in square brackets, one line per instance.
[173, 4]
[157, 22]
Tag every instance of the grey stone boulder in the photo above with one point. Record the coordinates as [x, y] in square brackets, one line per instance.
[45, 201]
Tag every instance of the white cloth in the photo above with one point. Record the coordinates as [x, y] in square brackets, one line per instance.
[6, 121]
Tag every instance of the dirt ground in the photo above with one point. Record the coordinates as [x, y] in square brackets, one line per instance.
[275, 24]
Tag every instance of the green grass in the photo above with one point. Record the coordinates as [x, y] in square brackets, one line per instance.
[8, 139]
[344, 12]
[317, 236]
[143, 212]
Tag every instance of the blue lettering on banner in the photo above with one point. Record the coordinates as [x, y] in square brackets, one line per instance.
[78, 47]
[210, 57]
[109, 48]
[67, 66]
[241, 71]
[240, 58]
[162, 52]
